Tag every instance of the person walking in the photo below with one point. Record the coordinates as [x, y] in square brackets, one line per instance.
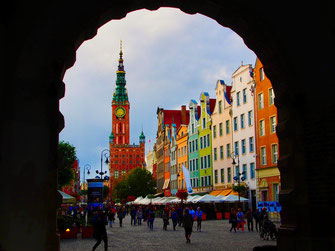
[199, 218]
[139, 216]
[165, 217]
[120, 215]
[188, 225]
[151, 218]
[133, 216]
[233, 219]
[174, 218]
[240, 220]
[256, 217]
[263, 214]
[99, 223]
[250, 221]
[192, 212]
[111, 217]
[180, 215]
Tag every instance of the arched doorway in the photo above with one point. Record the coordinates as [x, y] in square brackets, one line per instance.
[44, 42]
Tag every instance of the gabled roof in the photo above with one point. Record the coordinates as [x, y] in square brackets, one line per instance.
[212, 102]
[174, 116]
[199, 112]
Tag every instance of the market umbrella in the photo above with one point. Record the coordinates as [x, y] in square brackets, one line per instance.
[233, 198]
[66, 198]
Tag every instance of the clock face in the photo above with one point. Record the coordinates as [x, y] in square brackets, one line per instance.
[120, 112]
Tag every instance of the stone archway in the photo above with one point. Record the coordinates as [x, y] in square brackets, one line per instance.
[40, 44]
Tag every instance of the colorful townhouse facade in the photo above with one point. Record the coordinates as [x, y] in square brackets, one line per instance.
[243, 137]
[166, 185]
[268, 176]
[222, 140]
[173, 161]
[193, 145]
[205, 143]
[182, 154]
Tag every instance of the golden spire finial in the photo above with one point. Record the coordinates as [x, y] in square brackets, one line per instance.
[120, 45]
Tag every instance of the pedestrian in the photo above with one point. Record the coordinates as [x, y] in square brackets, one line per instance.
[120, 215]
[250, 222]
[199, 219]
[174, 218]
[233, 219]
[240, 220]
[192, 212]
[99, 223]
[263, 214]
[180, 215]
[133, 216]
[188, 225]
[111, 217]
[151, 218]
[256, 217]
[139, 216]
[165, 217]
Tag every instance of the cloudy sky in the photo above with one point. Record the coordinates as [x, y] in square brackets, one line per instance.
[170, 57]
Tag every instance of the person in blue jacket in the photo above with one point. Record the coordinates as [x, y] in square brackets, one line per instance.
[199, 219]
[174, 217]
[191, 212]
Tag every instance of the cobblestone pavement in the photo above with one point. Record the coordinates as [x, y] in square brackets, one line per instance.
[215, 235]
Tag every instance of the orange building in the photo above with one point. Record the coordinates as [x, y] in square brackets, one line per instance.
[267, 148]
[182, 154]
[123, 156]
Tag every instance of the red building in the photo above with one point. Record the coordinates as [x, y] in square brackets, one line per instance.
[123, 156]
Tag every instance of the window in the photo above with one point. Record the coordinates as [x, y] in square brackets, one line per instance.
[216, 176]
[208, 141]
[178, 152]
[238, 99]
[250, 118]
[274, 151]
[263, 156]
[220, 106]
[229, 174]
[205, 143]
[208, 161]
[193, 146]
[214, 131]
[185, 150]
[235, 123]
[203, 123]
[251, 144]
[123, 172]
[244, 169]
[197, 164]
[222, 175]
[228, 150]
[275, 191]
[236, 148]
[242, 121]
[244, 95]
[202, 181]
[271, 97]
[221, 152]
[260, 101]
[192, 128]
[237, 171]
[182, 151]
[116, 174]
[243, 146]
[273, 123]
[261, 73]
[215, 153]
[201, 163]
[196, 144]
[261, 127]
[200, 142]
[220, 129]
[227, 127]
[252, 170]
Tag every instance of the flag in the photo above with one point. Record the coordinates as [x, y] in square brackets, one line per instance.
[187, 180]
[149, 141]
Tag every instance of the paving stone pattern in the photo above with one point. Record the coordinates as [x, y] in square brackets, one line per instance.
[215, 235]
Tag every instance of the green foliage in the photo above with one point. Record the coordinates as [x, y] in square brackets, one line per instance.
[139, 182]
[241, 189]
[67, 158]
[105, 192]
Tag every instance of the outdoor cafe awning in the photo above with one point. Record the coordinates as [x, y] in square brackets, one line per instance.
[66, 198]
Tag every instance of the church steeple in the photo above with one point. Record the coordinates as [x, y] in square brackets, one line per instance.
[120, 94]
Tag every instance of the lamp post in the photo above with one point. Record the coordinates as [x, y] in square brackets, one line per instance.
[87, 167]
[238, 176]
[105, 153]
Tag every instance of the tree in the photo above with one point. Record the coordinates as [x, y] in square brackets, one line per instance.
[105, 192]
[241, 189]
[139, 182]
[182, 195]
[68, 158]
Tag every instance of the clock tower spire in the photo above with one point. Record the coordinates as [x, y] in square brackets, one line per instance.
[120, 106]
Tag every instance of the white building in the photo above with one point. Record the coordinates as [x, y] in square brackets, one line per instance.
[243, 130]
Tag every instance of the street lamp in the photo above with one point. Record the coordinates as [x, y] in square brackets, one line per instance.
[107, 155]
[239, 176]
[87, 167]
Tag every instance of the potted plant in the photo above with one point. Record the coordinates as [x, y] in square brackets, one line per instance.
[87, 231]
[66, 228]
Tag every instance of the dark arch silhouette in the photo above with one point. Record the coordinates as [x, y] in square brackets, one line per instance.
[294, 42]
